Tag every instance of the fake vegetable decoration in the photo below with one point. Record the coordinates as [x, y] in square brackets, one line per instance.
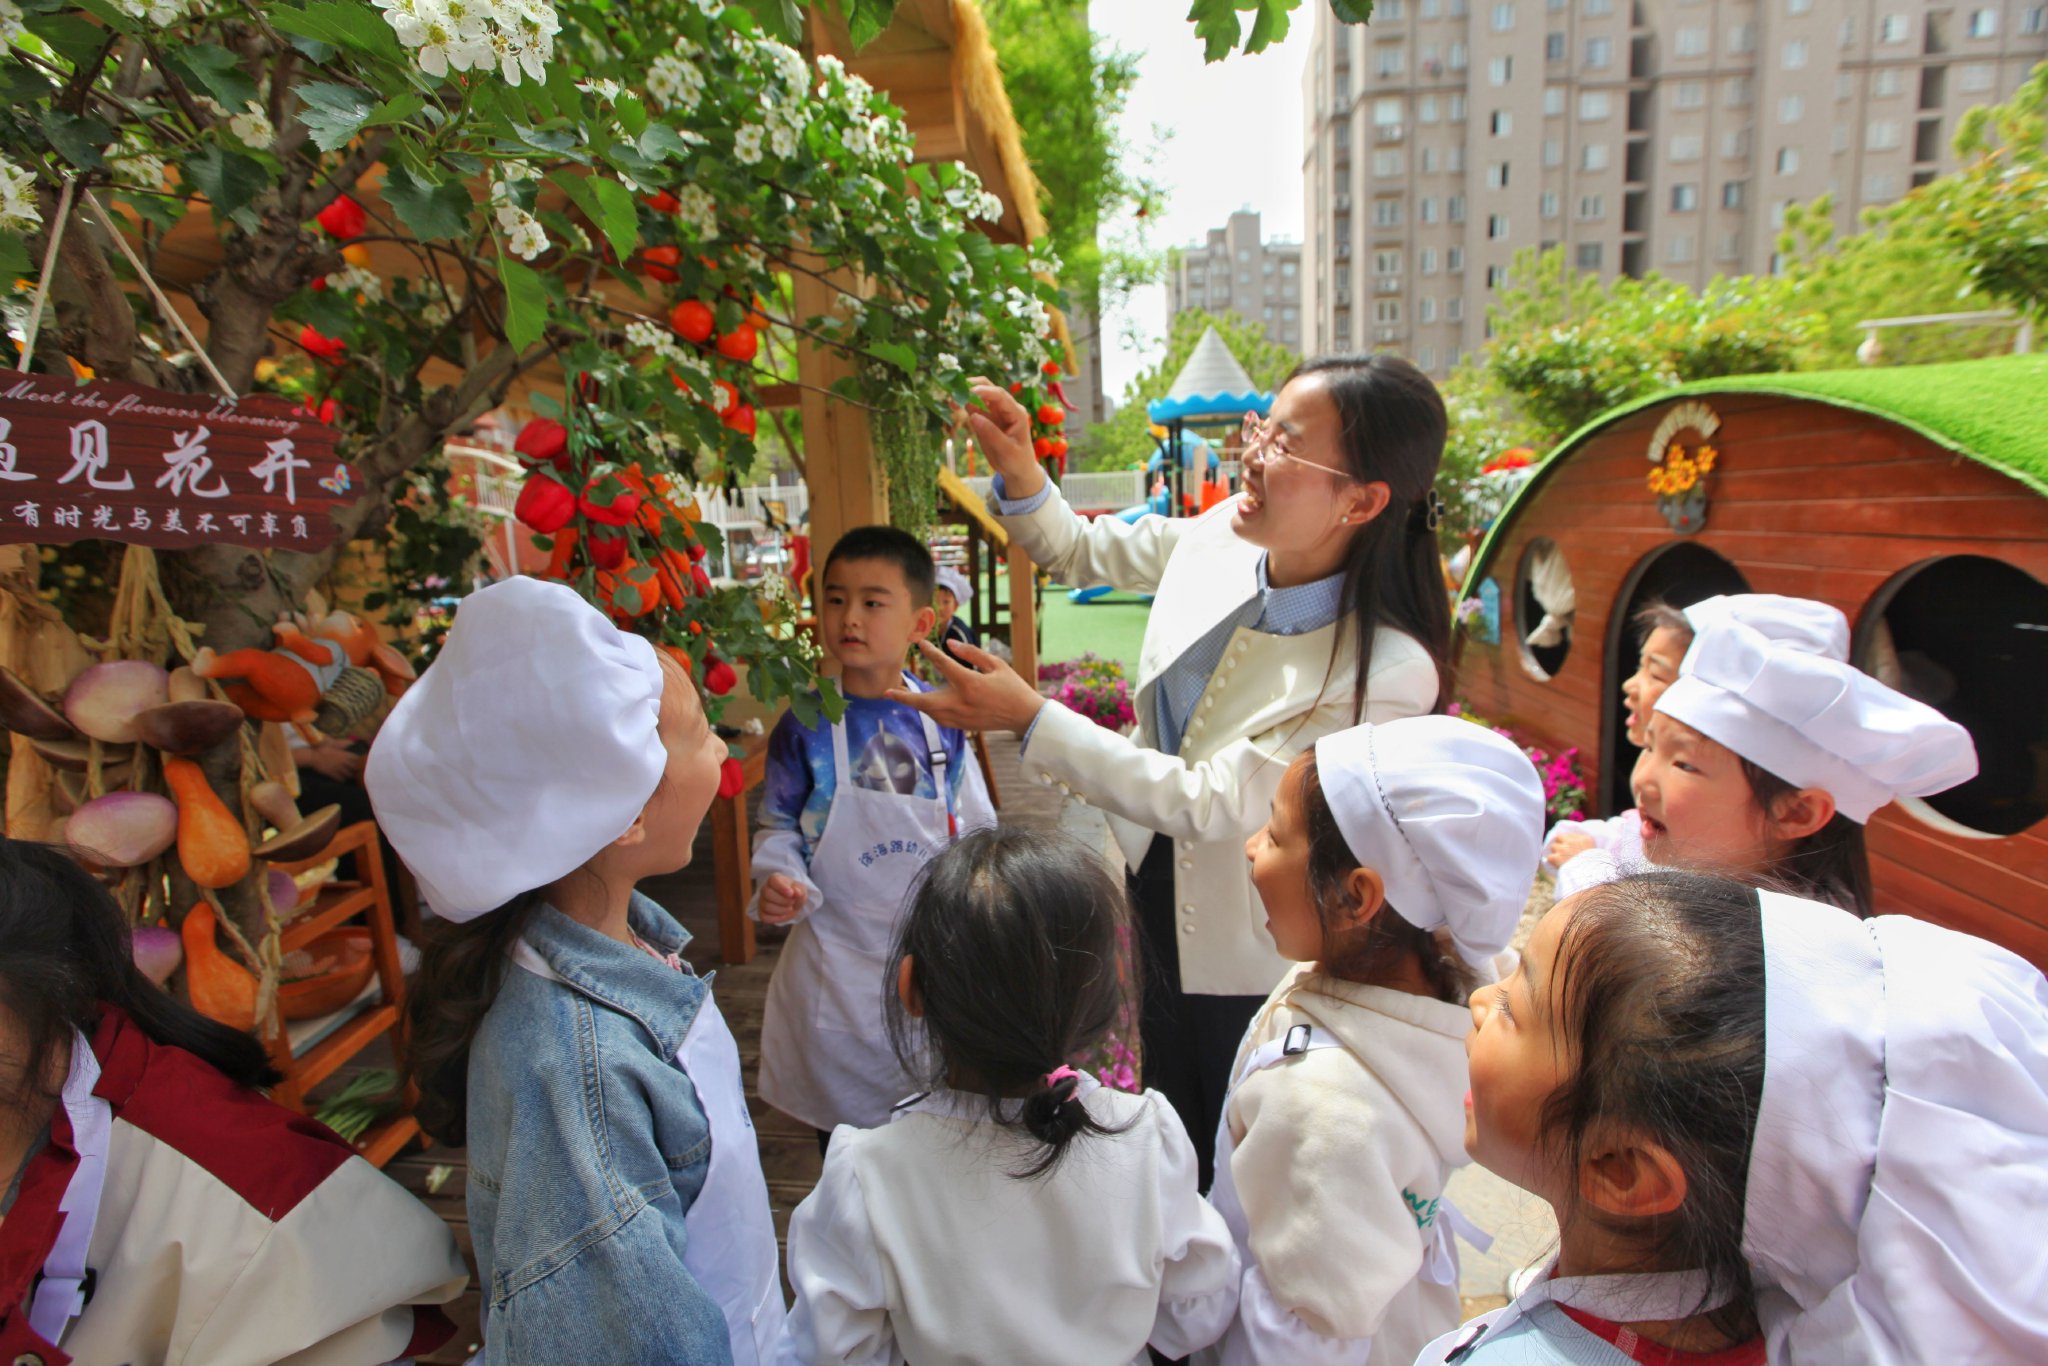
[104, 700]
[156, 952]
[211, 846]
[123, 829]
[220, 987]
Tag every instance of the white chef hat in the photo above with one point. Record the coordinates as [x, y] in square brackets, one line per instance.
[1902, 1143]
[1815, 721]
[954, 582]
[528, 745]
[1449, 814]
[1795, 623]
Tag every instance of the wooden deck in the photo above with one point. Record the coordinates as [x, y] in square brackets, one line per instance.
[789, 1150]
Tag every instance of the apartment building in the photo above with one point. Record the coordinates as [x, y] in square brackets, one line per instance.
[1660, 135]
[1236, 271]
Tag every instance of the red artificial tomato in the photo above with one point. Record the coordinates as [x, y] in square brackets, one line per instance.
[742, 420]
[663, 202]
[343, 219]
[545, 504]
[320, 347]
[1050, 415]
[544, 441]
[732, 779]
[719, 676]
[1042, 448]
[618, 512]
[740, 344]
[693, 321]
[607, 549]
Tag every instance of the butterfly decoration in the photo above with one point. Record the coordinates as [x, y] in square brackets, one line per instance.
[336, 483]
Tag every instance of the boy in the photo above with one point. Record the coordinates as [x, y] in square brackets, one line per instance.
[850, 814]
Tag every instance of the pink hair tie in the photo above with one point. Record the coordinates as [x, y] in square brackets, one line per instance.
[1060, 1074]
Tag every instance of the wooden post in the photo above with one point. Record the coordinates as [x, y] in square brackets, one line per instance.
[846, 482]
[1023, 614]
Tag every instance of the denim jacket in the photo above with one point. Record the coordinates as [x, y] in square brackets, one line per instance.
[586, 1149]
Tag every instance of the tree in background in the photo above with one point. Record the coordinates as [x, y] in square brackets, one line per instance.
[1124, 442]
[1995, 209]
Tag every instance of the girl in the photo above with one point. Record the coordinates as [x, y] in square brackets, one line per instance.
[1310, 602]
[1763, 1124]
[949, 595]
[542, 766]
[1017, 1211]
[1766, 761]
[1394, 869]
[1617, 844]
[157, 1207]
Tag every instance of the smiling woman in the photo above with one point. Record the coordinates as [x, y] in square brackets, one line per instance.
[1307, 604]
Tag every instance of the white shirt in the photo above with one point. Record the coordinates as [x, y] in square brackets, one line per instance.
[1617, 850]
[919, 1245]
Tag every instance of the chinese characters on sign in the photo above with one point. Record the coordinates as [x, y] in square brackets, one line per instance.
[122, 462]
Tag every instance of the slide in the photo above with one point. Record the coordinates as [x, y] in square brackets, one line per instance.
[1129, 514]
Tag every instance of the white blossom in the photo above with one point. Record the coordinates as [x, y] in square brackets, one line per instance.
[788, 63]
[10, 23]
[698, 211]
[135, 168]
[252, 127]
[356, 280]
[161, 13]
[948, 362]
[675, 81]
[436, 313]
[1027, 309]
[524, 236]
[18, 210]
[746, 144]
[646, 335]
[516, 38]
[782, 139]
[606, 90]
[858, 139]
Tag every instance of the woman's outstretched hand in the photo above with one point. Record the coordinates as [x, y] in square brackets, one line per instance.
[989, 696]
[1003, 431]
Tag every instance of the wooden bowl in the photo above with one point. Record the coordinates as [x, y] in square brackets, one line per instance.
[344, 968]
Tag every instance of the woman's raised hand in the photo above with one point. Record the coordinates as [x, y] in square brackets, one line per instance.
[989, 696]
[1003, 431]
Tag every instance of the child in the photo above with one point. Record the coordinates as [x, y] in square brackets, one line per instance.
[541, 767]
[1616, 845]
[1765, 762]
[950, 593]
[1393, 871]
[1763, 1124]
[157, 1207]
[1017, 1211]
[851, 811]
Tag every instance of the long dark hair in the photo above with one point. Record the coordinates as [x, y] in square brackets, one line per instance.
[1013, 937]
[462, 965]
[1393, 429]
[1374, 954]
[1661, 982]
[1830, 865]
[65, 953]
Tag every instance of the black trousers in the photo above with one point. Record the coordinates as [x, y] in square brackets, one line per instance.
[1189, 1040]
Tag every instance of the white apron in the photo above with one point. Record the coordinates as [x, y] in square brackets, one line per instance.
[1439, 1259]
[60, 1295]
[731, 1248]
[825, 1052]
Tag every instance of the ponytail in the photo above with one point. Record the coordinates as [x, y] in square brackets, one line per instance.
[65, 954]
[462, 965]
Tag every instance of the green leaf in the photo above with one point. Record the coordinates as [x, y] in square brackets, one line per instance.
[434, 212]
[397, 109]
[865, 20]
[1270, 26]
[355, 27]
[1216, 24]
[215, 70]
[632, 115]
[78, 138]
[229, 180]
[14, 260]
[896, 353]
[526, 303]
[661, 141]
[22, 84]
[75, 39]
[1351, 11]
[561, 88]
[620, 223]
[334, 114]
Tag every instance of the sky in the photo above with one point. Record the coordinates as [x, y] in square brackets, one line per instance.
[1233, 139]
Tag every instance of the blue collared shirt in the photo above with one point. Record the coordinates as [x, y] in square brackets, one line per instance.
[1273, 611]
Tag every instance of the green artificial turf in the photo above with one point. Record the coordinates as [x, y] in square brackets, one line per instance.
[1112, 626]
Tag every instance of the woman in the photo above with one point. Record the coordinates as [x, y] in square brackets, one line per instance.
[1310, 602]
[158, 1209]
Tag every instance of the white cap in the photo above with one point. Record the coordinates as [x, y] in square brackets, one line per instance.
[1901, 1148]
[528, 745]
[1795, 623]
[1449, 814]
[954, 582]
[1815, 721]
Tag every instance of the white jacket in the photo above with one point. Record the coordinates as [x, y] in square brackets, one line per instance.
[1270, 698]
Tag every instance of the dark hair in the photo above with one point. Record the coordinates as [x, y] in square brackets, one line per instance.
[893, 546]
[1656, 615]
[1013, 937]
[65, 952]
[1661, 982]
[1830, 865]
[1370, 955]
[462, 965]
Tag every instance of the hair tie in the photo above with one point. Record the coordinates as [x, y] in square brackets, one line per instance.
[1429, 511]
[1063, 1076]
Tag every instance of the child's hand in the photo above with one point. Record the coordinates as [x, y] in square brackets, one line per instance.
[782, 899]
[1568, 845]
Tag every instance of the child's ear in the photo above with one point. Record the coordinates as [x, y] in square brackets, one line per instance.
[1627, 1173]
[906, 988]
[636, 833]
[927, 618]
[1799, 814]
[1368, 893]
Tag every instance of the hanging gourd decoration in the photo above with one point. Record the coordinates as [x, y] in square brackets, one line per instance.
[212, 848]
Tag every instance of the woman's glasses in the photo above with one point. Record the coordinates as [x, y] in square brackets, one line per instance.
[1265, 444]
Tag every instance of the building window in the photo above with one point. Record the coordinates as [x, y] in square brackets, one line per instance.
[1454, 160]
[1431, 159]
[1387, 162]
[1685, 197]
[1428, 261]
[1729, 247]
[1594, 104]
[1553, 152]
[1386, 113]
[1454, 107]
[1432, 9]
[1892, 81]
[1880, 187]
[1735, 144]
[1425, 109]
[1426, 358]
[1686, 147]
[1691, 42]
[1599, 9]
[1501, 123]
[1454, 309]
[1386, 263]
[1458, 59]
[1893, 29]
[1983, 23]
[1592, 206]
[1454, 262]
[1732, 194]
[1272, 313]
[1425, 309]
[1388, 62]
[1735, 94]
[1288, 268]
[1689, 95]
[1681, 248]
[1549, 203]
[1553, 47]
[2034, 20]
[1795, 54]
[1791, 7]
[1788, 160]
[1454, 208]
[1553, 101]
[1386, 213]
[1599, 53]
[1497, 226]
[1883, 136]
[1503, 16]
[1497, 176]
[1386, 310]
[1791, 109]
[1496, 276]
[1593, 156]
[1741, 39]
[1500, 70]
[1589, 256]
[1425, 211]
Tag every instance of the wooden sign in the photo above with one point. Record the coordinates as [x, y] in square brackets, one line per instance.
[103, 460]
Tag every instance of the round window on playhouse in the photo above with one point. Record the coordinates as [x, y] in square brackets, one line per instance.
[1545, 602]
[1968, 635]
